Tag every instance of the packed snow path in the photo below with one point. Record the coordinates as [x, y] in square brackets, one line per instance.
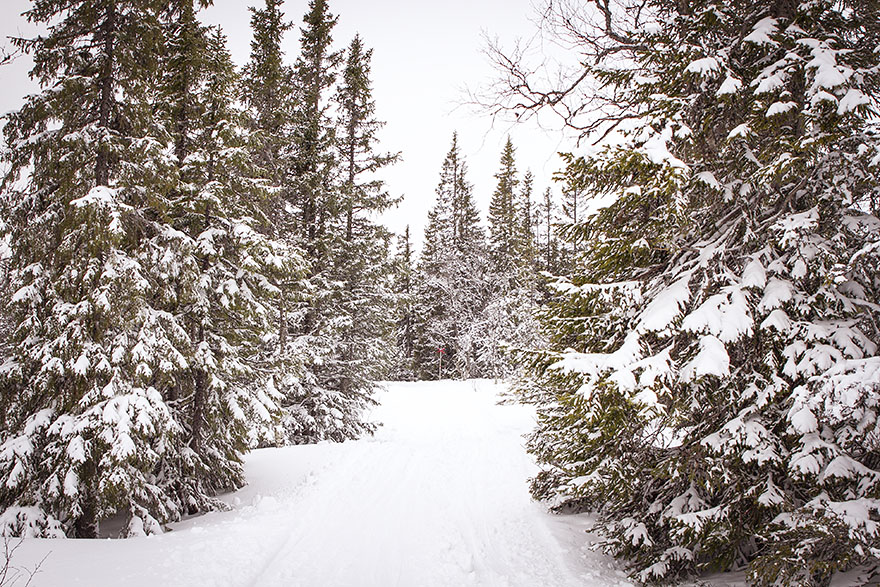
[438, 497]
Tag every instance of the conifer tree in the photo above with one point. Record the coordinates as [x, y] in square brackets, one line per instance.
[266, 90]
[313, 158]
[548, 246]
[467, 235]
[504, 227]
[527, 227]
[221, 271]
[362, 193]
[717, 401]
[451, 291]
[404, 291]
[363, 305]
[507, 320]
[85, 421]
[343, 324]
[139, 378]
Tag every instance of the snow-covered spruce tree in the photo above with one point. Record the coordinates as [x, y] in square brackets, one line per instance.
[527, 227]
[507, 324]
[404, 277]
[310, 193]
[268, 94]
[712, 384]
[432, 327]
[508, 317]
[85, 424]
[218, 270]
[451, 290]
[329, 400]
[364, 303]
[266, 90]
[547, 243]
[313, 157]
[504, 228]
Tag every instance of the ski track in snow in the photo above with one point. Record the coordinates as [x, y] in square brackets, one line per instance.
[437, 498]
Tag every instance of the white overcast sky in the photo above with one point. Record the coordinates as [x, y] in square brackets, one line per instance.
[425, 54]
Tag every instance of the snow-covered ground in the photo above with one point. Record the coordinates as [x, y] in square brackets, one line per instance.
[437, 498]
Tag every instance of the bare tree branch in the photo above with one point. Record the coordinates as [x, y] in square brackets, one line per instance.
[594, 38]
[7, 56]
[10, 575]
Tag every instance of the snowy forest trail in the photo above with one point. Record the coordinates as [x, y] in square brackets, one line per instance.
[437, 497]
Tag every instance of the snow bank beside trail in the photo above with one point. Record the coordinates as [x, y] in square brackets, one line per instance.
[438, 497]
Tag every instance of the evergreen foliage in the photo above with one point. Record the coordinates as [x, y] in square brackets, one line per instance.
[546, 218]
[221, 274]
[711, 383]
[343, 324]
[504, 228]
[404, 287]
[313, 157]
[267, 93]
[474, 300]
[362, 263]
[508, 318]
[155, 225]
[451, 290]
[527, 228]
[85, 421]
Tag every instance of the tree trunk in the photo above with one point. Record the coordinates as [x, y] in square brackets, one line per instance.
[282, 321]
[105, 83]
[200, 380]
[200, 398]
[86, 524]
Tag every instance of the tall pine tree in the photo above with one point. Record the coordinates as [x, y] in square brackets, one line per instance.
[507, 320]
[362, 267]
[313, 157]
[343, 321]
[548, 244]
[266, 89]
[404, 292]
[527, 235]
[270, 95]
